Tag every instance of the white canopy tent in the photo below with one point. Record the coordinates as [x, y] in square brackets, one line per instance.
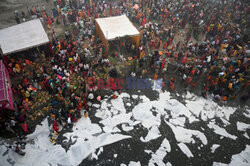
[117, 26]
[113, 28]
[22, 36]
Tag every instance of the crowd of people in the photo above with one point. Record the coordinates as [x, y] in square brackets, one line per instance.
[205, 39]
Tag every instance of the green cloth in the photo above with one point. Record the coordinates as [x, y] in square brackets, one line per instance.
[112, 60]
[51, 85]
[27, 94]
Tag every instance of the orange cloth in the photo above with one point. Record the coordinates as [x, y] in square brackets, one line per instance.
[224, 98]
[172, 87]
[230, 86]
[155, 76]
[235, 52]
[114, 96]
[86, 115]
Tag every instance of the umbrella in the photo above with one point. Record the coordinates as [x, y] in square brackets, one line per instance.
[136, 7]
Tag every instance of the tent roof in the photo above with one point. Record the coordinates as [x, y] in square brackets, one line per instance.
[23, 36]
[117, 26]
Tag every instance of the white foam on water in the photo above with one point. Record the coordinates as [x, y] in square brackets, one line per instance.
[246, 115]
[43, 151]
[184, 135]
[144, 98]
[188, 95]
[100, 151]
[185, 150]
[241, 159]
[207, 108]
[81, 149]
[178, 121]
[168, 164]
[142, 113]
[195, 107]
[177, 108]
[214, 147]
[148, 151]
[96, 105]
[242, 126]
[220, 131]
[124, 95]
[219, 164]
[133, 163]
[134, 96]
[153, 133]
[225, 122]
[84, 127]
[128, 104]
[112, 122]
[94, 156]
[103, 112]
[158, 156]
[246, 135]
[125, 127]
[90, 136]
[118, 104]
[247, 112]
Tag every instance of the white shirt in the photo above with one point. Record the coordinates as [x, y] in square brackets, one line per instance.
[86, 66]
[69, 120]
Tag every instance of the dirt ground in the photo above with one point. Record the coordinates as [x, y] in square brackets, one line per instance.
[8, 7]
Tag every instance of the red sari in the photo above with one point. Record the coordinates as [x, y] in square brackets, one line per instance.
[48, 21]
